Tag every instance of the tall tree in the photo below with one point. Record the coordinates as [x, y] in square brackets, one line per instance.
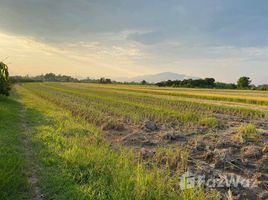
[143, 82]
[4, 80]
[243, 82]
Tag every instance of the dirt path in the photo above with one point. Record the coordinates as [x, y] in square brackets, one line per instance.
[31, 167]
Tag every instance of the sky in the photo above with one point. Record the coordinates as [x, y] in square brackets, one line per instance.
[224, 39]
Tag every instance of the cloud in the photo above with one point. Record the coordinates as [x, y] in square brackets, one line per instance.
[208, 22]
[125, 37]
[148, 38]
[29, 56]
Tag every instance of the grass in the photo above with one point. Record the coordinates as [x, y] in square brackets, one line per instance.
[13, 181]
[248, 97]
[77, 163]
[173, 159]
[166, 101]
[248, 132]
[208, 121]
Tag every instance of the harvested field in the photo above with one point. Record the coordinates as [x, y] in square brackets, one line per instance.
[160, 132]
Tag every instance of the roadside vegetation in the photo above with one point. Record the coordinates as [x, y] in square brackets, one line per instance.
[4, 80]
[13, 181]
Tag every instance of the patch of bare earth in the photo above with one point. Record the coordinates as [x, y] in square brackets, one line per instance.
[31, 167]
[213, 151]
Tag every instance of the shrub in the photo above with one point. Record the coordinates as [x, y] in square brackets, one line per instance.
[4, 80]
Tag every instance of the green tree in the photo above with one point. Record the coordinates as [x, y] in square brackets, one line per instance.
[243, 82]
[4, 80]
[143, 82]
[105, 80]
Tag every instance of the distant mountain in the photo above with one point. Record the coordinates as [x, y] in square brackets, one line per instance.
[164, 76]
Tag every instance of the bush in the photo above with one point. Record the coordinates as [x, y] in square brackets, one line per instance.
[4, 80]
[243, 82]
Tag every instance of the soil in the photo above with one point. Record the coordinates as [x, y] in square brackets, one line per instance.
[213, 151]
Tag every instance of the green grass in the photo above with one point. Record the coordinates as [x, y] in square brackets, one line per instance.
[208, 121]
[13, 181]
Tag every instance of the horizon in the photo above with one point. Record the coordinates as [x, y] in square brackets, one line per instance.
[116, 38]
[137, 79]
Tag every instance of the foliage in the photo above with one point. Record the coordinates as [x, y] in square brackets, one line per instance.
[49, 77]
[4, 80]
[105, 80]
[243, 82]
[143, 82]
[189, 83]
[261, 87]
[220, 85]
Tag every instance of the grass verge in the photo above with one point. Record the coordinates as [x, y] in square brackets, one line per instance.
[13, 181]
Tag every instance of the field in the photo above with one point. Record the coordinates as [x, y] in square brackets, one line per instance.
[93, 141]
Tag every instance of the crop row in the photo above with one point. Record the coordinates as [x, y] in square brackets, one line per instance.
[99, 109]
[165, 103]
[247, 97]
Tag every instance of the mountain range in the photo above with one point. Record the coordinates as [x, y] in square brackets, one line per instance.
[154, 78]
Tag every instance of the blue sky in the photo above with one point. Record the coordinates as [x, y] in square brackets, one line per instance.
[117, 38]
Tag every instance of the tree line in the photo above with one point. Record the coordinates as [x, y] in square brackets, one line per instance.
[6, 81]
[51, 77]
[242, 83]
